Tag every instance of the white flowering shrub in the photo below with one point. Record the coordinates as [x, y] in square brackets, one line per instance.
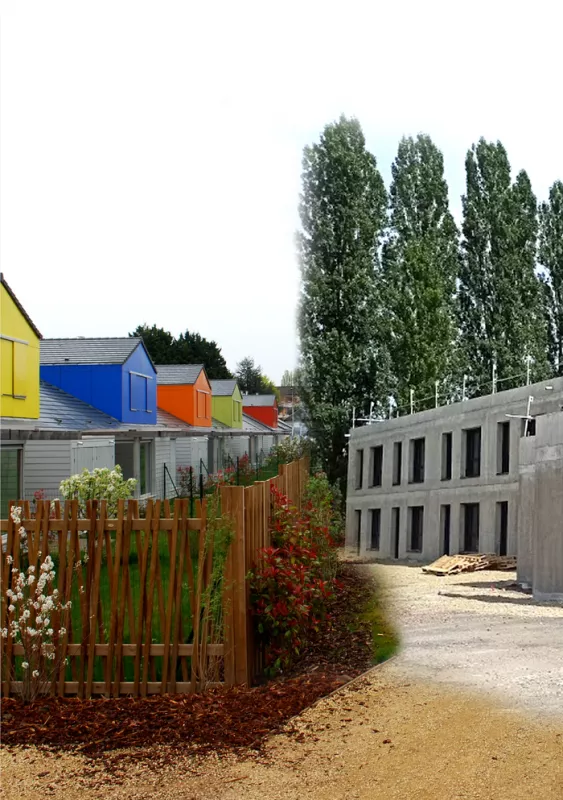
[32, 605]
[100, 484]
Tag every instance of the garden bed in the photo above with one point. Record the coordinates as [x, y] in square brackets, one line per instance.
[221, 720]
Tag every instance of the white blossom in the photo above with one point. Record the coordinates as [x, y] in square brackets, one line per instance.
[35, 673]
[11, 608]
[25, 665]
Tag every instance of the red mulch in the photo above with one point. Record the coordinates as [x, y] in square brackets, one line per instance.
[223, 719]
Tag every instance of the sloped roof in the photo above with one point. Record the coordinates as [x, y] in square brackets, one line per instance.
[284, 426]
[110, 350]
[19, 305]
[258, 399]
[252, 425]
[223, 388]
[61, 411]
[178, 374]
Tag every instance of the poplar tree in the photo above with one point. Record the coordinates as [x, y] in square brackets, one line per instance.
[500, 306]
[551, 259]
[343, 358]
[420, 261]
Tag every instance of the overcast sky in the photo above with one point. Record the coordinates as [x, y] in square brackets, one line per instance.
[151, 153]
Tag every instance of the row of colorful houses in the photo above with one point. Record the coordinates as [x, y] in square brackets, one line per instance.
[66, 404]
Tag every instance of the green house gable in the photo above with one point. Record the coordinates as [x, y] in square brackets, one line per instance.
[227, 403]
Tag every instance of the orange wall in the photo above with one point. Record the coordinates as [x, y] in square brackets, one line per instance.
[266, 414]
[182, 401]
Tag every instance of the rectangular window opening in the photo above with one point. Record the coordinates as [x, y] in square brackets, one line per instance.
[529, 427]
[417, 447]
[397, 462]
[416, 528]
[446, 456]
[472, 453]
[396, 529]
[359, 468]
[503, 448]
[376, 465]
[502, 528]
[375, 528]
[470, 518]
[445, 525]
[358, 514]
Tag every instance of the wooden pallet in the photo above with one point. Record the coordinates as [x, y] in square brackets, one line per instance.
[465, 562]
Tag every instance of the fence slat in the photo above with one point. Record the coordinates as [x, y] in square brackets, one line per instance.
[171, 584]
[122, 600]
[150, 597]
[114, 597]
[177, 630]
[95, 594]
[143, 557]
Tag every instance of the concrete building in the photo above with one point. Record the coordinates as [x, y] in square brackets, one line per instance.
[445, 480]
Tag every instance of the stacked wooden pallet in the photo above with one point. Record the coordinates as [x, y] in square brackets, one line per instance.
[465, 562]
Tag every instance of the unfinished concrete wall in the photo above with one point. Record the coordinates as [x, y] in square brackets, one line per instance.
[526, 511]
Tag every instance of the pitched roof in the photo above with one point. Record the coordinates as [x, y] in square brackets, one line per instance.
[19, 305]
[63, 412]
[178, 374]
[258, 399]
[110, 350]
[254, 426]
[223, 388]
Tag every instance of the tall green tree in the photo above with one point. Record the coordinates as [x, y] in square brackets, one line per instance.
[551, 259]
[420, 266]
[500, 305]
[251, 379]
[343, 358]
[188, 348]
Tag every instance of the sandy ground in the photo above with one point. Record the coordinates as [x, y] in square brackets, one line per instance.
[393, 733]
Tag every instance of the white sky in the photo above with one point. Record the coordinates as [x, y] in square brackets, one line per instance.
[151, 153]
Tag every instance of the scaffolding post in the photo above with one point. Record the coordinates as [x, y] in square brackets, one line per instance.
[528, 369]
[464, 389]
[412, 401]
[494, 377]
[436, 385]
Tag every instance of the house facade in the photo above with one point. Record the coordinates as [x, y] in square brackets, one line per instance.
[184, 391]
[114, 375]
[262, 407]
[443, 481]
[227, 402]
[19, 357]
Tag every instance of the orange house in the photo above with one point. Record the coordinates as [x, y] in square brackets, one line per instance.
[184, 391]
[263, 407]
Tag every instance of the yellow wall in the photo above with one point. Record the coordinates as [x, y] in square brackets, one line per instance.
[19, 362]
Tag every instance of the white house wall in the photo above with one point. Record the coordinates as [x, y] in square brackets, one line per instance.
[45, 465]
[165, 453]
[92, 454]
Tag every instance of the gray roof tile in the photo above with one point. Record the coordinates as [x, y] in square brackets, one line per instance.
[178, 374]
[258, 399]
[223, 388]
[88, 351]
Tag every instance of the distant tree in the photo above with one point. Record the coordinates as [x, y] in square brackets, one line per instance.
[287, 378]
[420, 265]
[159, 343]
[341, 321]
[251, 379]
[188, 348]
[500, 302]
[551, 259]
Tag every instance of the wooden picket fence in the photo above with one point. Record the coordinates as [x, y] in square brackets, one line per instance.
[143, 620]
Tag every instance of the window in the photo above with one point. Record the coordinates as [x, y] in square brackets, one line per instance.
[396, 529]
[203, 401]
[397, 462]
[237, 411]
[502, 528]
[376, 465]
[445, 523]
[416, 528]
[359, 468]
[358, 514]
[446, 456]
[470, 519]
[14, 368]
[416, 461]
[145, 468]
[472, 448]
[503, 448]
[139, 385]
[529, 427]
[375, 514]
[10, 477]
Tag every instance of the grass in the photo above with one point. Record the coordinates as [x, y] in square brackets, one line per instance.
[385, 640]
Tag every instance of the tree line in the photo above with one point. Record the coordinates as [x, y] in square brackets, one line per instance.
[192, 348]
[394, 297]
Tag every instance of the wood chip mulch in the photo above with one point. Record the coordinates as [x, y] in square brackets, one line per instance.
[221, 720]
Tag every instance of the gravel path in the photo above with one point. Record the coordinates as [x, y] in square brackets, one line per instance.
[477, 630]
[392, 733]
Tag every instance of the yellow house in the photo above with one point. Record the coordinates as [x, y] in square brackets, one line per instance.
[19, 358]
[227, 402]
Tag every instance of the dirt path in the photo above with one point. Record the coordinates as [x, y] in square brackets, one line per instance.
[390, 734]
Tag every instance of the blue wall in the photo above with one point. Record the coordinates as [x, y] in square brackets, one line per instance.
[144, 390]
[108, 386]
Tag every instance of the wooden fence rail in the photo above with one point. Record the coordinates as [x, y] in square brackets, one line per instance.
[148, 615]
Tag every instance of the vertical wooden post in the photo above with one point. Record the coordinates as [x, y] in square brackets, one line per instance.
[234, 502]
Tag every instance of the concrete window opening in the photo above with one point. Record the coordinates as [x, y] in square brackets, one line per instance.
[358, 514]
[376, 465]
[471, 453]
[417, 460]
[470, 519]
[359, 468]
[397, 462]
[416, 528]
[528, 427]
[445, 525]
[395, 530]
[502, 528]
[446, 456]
[503, 448]
[375, 528]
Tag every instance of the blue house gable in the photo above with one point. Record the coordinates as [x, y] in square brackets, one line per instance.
[116, 376]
